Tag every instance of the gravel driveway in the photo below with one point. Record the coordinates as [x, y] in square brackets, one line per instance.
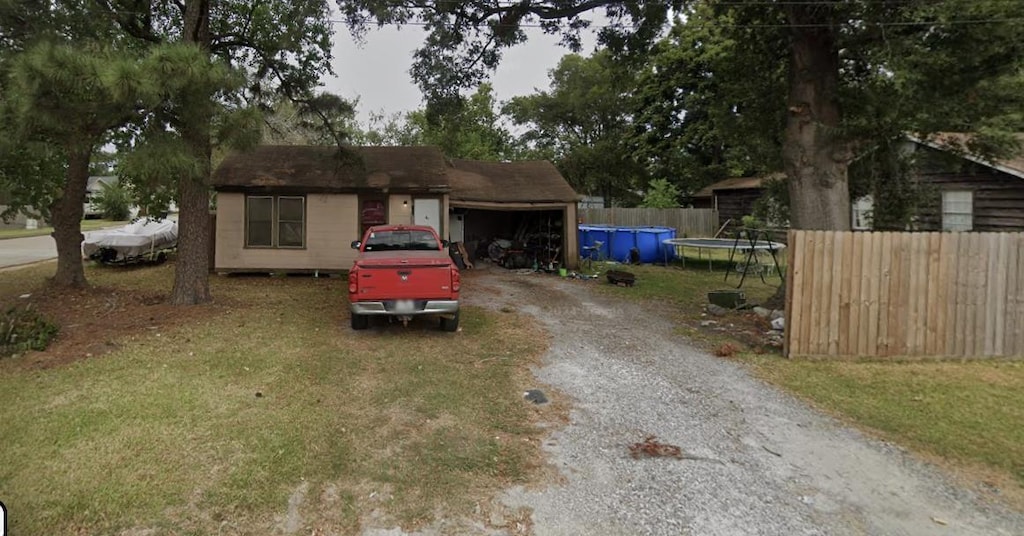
[773, 466]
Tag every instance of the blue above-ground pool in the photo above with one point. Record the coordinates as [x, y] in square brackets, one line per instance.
[618, 241]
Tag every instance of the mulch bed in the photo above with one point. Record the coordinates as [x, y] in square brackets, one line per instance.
[96, 320]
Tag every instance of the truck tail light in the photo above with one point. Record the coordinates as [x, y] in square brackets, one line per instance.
[456, 280]
[353, 280]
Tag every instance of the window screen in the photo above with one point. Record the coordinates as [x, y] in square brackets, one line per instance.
[259, 222]
[290, 222]
[957, 210]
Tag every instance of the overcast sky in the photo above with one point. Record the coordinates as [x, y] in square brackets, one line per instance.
[378, 71]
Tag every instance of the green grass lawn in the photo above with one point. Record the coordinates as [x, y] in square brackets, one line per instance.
[211, 426]
[967, 415]
[87, 225]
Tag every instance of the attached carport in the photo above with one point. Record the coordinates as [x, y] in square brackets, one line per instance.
[527, 203]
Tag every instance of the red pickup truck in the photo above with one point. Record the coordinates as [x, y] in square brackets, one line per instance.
[403, 271]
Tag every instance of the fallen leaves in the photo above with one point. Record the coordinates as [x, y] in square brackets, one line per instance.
[652, 448]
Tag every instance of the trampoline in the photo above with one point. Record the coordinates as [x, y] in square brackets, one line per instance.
[748, 246]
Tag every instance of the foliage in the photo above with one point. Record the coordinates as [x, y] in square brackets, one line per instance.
[467, 128]
[22, 328]
[661, 194]
[388, 129]
[583, 122]
[326, 119]
[114, 201]
[773, 205]
[690, 122]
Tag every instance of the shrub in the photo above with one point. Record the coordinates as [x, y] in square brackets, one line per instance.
[22, 328]
[115, 201]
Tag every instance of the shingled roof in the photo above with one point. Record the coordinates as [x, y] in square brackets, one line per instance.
[533, 181]
[330, 169]
[351, 169]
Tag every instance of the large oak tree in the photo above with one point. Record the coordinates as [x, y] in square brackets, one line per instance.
[830, 53]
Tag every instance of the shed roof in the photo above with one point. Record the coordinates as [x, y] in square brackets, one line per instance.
[736, 183]
[329, 168]
[530, 181]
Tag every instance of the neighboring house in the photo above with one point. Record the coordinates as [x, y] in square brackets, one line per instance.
[92, 190]
[297, 208]
[970, 193]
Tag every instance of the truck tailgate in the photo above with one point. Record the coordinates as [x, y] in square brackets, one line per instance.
[420, 277]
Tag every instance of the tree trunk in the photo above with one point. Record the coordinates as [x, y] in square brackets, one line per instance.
[815, 155]
[192, 271]
[66, 214]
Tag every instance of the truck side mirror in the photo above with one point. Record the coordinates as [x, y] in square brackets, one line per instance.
[356, 244]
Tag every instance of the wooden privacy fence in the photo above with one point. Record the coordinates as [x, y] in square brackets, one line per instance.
[691, 222]
[905, 294]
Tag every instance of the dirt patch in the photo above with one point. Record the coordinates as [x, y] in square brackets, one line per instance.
[96, 320]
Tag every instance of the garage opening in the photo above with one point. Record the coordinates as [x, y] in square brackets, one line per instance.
[512, 239]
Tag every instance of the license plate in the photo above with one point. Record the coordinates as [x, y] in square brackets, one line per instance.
[404, 306]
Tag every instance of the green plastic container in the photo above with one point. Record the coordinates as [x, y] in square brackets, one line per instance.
[730, 299]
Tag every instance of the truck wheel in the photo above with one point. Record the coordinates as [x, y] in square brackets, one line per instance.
[360, 321]
[450, 324]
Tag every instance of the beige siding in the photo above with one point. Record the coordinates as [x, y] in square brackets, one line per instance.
[399, 214]
[332, 223]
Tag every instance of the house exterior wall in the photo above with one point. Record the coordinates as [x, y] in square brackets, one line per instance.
[998, 197]
[734, 204]
[399, 214]
[332, 223]
[998, 200]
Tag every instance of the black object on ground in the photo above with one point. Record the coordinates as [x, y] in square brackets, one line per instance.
[536, 396]
[617, 277]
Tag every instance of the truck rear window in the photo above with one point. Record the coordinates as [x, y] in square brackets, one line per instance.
[402, 241]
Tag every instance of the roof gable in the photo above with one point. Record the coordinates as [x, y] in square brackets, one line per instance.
[956, 143]
[532, 181]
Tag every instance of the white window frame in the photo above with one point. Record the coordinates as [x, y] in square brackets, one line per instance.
[862, 214]
[957, 205]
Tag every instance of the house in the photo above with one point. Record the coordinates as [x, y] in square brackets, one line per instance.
[297, 208]
[966, 192]
[93, 188]
[971, 193]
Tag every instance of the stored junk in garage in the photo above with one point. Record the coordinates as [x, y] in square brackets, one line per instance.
[515, 214]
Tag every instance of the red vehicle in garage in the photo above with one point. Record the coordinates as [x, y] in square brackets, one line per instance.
[403, 271]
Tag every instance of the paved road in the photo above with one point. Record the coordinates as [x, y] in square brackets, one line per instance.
[16, 251]
[765, 463]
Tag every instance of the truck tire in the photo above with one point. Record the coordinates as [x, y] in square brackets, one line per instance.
[450, 324]
[360, 321]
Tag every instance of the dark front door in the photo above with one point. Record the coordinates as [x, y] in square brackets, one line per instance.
[372, 211]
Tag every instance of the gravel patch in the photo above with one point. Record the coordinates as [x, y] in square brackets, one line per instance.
[772, 465]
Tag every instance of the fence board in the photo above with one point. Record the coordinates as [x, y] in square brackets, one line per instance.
[845, 284]
[905, 294]
[690, 222]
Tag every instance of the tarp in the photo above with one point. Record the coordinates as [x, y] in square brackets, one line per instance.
[137, 238]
